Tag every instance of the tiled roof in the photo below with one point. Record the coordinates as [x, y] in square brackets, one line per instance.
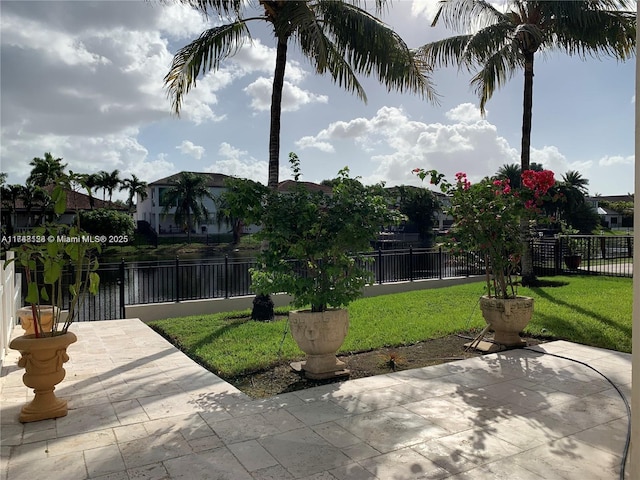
[77, 201]
[213, 179]
[288, 185]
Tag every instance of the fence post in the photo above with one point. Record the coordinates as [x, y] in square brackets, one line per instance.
[226, 276]
[380, 269]
[121, 281]
[177, 278]
[440, 263]
[410, 263]
[557, 256]
[589, 254]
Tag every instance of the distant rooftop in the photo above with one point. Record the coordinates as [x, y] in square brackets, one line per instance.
[213, 179]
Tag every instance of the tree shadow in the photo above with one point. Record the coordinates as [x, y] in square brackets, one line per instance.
[583, 311]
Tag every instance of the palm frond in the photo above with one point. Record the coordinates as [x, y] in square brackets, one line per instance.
[309, 30]
[368, 45]
[201, 55]
[496, 71]
[484, 43]
[597, 33]
[467, 15]
[220, 7]
[445, 52]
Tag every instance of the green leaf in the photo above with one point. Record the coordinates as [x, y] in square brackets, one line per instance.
[52, 271]
[32, 293]
[44, 294]
[94, 282]
[59, 197]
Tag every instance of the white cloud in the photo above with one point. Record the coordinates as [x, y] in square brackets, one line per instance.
[465, 113]
[406, 144]
[616, 160]
[60, 46]
[189, 148]
[314, 142]
[293, 97]
[237, 162]
[425, 8]
[180, 21]
[551, 159]
[120, 151]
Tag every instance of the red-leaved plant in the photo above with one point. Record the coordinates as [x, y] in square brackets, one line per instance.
[486, 219]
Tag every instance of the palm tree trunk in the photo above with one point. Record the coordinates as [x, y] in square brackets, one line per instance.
[527, 111]
[528, 277]
[262, 304]
[276, 111]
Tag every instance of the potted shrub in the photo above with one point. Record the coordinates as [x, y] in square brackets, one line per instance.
[573, 255]
[314, 244]
[45, 254]
[487, 217]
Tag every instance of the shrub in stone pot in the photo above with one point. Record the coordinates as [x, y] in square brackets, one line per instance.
[51, 250]
[487, 216]
[315, 243]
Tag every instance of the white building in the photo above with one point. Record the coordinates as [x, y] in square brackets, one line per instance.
[150, 209]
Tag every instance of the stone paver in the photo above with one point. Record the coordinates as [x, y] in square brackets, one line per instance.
[140, 409]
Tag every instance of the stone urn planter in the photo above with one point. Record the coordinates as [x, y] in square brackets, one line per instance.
[25, 314]
[507, 317]
[320, 335]
[43, 360]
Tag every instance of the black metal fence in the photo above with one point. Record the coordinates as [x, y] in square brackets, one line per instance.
[584, 254]
[130, 283]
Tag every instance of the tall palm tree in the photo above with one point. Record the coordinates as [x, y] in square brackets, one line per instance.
[45, 170]
[187, 197]
[338, 37]
[495, 44]
[135, 186]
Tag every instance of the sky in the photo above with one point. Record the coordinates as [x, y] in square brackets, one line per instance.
[84, 81]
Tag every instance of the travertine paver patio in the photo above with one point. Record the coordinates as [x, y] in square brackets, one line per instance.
[140, 409]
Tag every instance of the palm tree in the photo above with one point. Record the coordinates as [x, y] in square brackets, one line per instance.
[10, 195]
[91, 181]
[496, 44]
[108, 182]
[511, 172]
[45, 170]
[575, 180]
[33, 196]
[135, 186]
[338, 37]
[187, 197]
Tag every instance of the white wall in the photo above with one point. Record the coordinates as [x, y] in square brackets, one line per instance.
[150, 210]
[157, 311]
[635, 347]
[9, 303]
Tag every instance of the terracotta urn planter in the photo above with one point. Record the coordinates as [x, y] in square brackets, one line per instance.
[43, 360]
[320, 335]
[25, 314]
[507, 318]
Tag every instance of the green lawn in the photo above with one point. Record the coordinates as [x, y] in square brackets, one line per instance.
[590, 310]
